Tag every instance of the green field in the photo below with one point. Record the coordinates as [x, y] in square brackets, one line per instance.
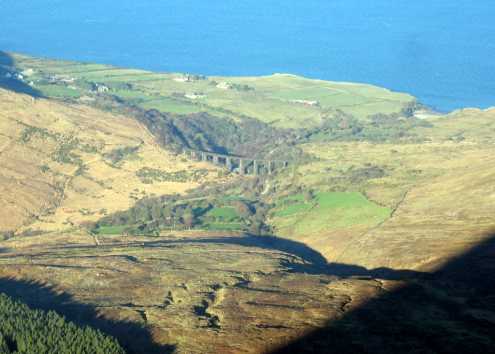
[293, 209]
[328, 211]
[171, 105]
[281, 100]
[291, 205]
[350, 208]
[224, 213]
[58, 91]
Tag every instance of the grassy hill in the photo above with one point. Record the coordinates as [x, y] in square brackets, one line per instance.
[451, 169]
[66, 164]
[436, 221]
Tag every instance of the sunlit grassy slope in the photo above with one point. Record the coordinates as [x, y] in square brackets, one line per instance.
[438, 193]
[64, 164]
[280, 99]
[325, 213]
[436, 221]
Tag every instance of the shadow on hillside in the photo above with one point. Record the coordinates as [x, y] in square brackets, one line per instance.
[133, 337]
[310, 261]
[313, 261]
[452, 311]
[8, 79]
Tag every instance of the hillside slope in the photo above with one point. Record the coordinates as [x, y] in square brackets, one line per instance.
[439, 193]
[65, 164]
[435, 222]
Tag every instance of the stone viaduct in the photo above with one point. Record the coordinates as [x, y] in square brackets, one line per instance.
[241, 165]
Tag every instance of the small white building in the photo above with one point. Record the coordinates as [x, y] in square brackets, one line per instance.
[194, 96]
[224, 85]
[182, 79]
[306, 102]
[28, 72]
[100, 88]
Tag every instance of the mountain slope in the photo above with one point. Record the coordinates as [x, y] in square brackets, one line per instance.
[439, 193]
[435, 222]
[65, 164]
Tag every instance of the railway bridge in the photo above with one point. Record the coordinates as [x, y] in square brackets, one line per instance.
[241, 165]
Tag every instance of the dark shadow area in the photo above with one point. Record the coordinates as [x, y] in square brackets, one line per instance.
[133, 337]
[451, 311]
[10, 79]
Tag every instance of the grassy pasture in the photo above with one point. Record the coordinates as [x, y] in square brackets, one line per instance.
[328, 211]
[293, 209]
[222, 218]
[226, 213]
[58, 91]
[171, 105]
[270, 99]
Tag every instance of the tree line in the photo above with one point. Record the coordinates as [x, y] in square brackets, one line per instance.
[27, 331]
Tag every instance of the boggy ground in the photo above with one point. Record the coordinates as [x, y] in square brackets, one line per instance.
[196, 293]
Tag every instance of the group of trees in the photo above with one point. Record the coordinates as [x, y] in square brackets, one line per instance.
[246, 136]
[340, 126]
[150, 175]
[27, 331]
[5, 235]
[150, 215]
[202, 131]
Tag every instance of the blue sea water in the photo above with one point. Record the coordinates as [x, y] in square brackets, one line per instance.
[441, 51]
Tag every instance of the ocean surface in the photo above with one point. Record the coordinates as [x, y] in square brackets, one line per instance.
[441, 51]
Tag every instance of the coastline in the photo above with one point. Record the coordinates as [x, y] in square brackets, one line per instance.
[424, 112]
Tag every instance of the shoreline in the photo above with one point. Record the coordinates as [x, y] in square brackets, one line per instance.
[425, 112]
